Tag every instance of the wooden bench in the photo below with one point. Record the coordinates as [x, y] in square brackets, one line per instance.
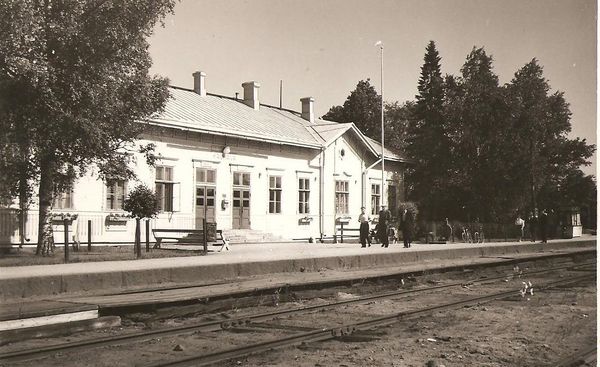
[186, 237]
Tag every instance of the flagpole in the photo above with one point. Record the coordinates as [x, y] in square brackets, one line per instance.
[383, 197]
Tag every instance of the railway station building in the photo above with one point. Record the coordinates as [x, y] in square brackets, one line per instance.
[247, 166]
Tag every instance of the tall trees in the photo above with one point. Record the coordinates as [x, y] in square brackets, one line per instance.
[477, 113]
[427, 143]
[480, 149]
[80, 71]
[362, 107]
[541, 122]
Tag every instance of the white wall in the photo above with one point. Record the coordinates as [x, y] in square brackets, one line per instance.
[186, 151]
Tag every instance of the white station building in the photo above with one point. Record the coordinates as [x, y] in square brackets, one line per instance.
[249, 167]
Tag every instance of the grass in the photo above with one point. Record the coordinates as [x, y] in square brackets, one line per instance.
[26, 256]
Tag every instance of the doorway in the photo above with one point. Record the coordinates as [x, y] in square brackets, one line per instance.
[241, 200]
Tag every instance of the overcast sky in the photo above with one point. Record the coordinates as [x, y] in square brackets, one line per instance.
[322, 48]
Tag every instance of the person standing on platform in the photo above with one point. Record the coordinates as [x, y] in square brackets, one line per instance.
[364, 220]
[520, 224]
[544, 226]
[532, 222]
[449, 231]
[407, 226]
[382, 226]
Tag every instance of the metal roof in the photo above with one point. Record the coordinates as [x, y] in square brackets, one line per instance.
[221, 115]
[228, 116]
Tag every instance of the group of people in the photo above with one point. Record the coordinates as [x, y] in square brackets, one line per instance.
[536, 223]
[383, 227]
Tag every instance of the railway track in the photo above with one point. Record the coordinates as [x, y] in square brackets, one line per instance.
[328, 333]
[251, 320]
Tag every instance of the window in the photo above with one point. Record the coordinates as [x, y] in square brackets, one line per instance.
[275, 194]
[375, 198]
[115, 194]
[63, 200]
[164, 188]
[303, 195]
[204, 175]
[341, 197]
[241, 179]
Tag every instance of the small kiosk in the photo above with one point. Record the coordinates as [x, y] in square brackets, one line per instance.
[570, 220]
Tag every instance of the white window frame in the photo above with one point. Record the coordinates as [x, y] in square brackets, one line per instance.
[342, 197]
[375, 198]
[275, 194]
[161, 184]
[303, 195]
[113, 184]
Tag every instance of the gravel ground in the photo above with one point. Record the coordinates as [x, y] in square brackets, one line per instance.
[530, 330]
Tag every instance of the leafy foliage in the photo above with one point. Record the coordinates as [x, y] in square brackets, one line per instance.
[481, 149]
[362, 107]
[75, 87]
[142, 203]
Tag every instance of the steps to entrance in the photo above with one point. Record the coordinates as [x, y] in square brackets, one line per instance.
[237, 236]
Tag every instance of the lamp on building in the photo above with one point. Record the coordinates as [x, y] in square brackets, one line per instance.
[226, 151]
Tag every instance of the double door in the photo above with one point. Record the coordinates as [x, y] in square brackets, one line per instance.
[241, 200]
[205, 204]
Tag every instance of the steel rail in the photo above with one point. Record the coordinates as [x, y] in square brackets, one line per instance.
[585, 357]
[240, 321]
[338, 331]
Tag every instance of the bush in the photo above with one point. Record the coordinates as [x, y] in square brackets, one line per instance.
[141, 203]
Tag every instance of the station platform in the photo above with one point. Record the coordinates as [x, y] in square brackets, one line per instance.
[246, 260]
[35, 297]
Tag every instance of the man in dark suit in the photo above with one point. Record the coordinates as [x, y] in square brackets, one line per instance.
[543, 223]
[382, 226]
[406, 225]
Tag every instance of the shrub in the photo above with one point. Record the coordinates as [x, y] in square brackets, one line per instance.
[141, 203]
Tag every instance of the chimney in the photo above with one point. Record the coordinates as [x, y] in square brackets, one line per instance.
[251, 94]
[308, 109]
[199, 84]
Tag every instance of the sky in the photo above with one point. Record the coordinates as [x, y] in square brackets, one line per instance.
[322, 48]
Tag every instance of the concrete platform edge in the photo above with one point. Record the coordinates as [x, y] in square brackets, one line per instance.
[102, 282]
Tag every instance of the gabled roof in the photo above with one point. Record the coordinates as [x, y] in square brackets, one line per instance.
[389, 154]
[227, 116]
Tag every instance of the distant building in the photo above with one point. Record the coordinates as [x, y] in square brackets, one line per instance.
[241, 164]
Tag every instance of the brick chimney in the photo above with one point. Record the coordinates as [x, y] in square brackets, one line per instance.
[251, 94]
[308, 109]
[199, 83]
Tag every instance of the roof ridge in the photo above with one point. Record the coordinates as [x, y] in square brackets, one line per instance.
[234, 99]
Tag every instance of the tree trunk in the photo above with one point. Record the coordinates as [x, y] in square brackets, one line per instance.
[46, 189]
[23, 206]
[138, 244]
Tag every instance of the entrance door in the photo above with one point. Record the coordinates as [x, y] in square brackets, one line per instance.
[241, 200]
[205, 204]
[205, 195]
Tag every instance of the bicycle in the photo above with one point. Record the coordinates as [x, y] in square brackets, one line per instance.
[478, 237]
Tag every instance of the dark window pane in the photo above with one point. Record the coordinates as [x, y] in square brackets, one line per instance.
[210, 202]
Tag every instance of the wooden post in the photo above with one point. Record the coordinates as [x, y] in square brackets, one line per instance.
[66, 225]
[205, 235]
[89, 233]
[147, 235]
[342, 232]
[137, 246]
